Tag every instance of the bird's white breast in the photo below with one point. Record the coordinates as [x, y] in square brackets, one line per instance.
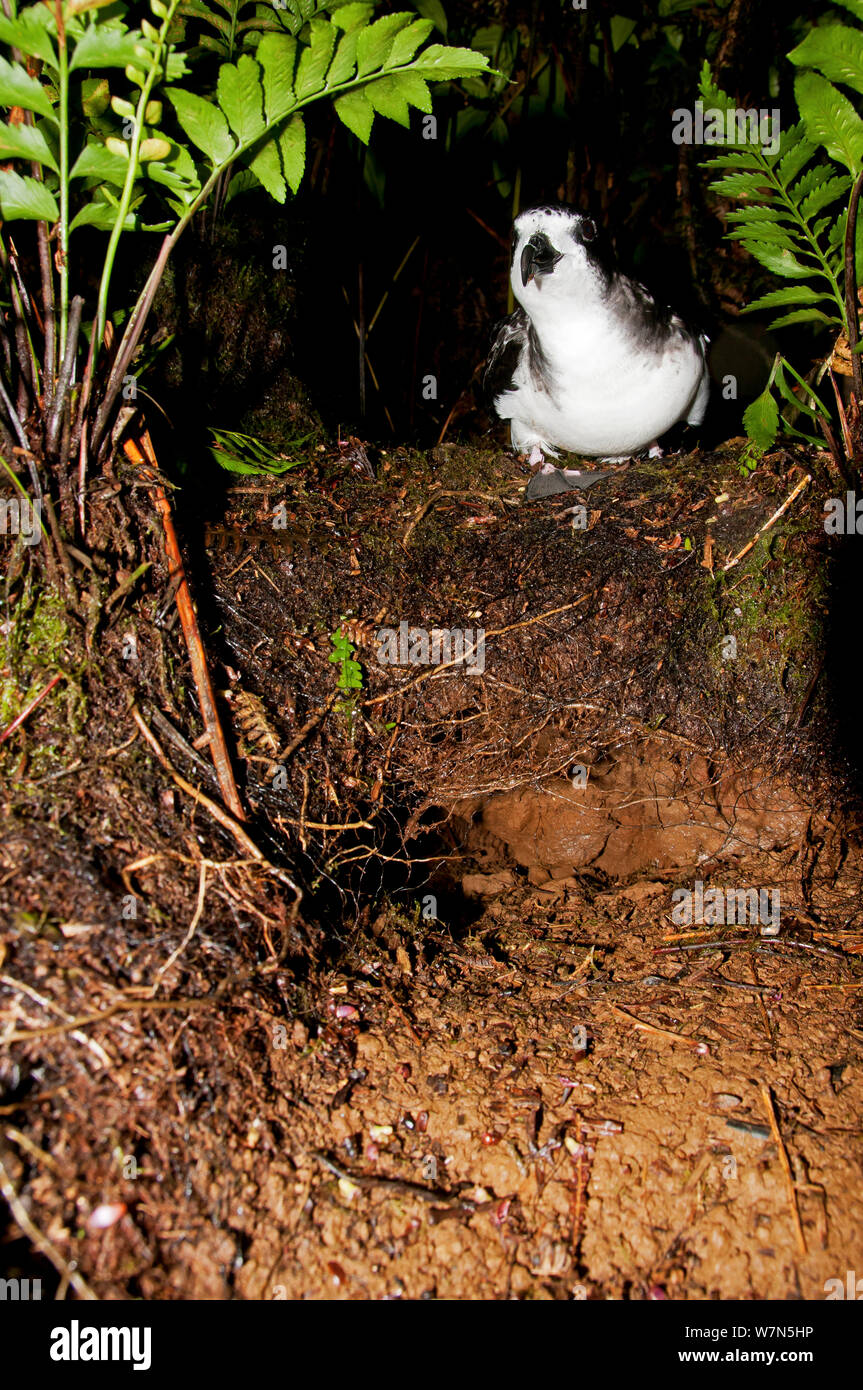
[607, 396]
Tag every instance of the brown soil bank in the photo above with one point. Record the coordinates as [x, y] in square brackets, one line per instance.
[467, 1015]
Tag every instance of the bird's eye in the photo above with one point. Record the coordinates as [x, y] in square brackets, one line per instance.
[588, 229]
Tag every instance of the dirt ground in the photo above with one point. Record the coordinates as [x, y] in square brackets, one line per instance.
[444, 1034]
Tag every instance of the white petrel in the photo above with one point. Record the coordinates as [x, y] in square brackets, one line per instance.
[589, 363]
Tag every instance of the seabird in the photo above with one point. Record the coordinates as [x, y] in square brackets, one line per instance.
[588, 363]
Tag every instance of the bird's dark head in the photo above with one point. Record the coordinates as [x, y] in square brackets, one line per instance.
[555, 253]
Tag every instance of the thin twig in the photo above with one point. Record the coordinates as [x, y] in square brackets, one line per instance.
[311, 724]
[216, 811]
[193, 925]
[792, 496]
[786, 1169]
[87, 1020]
[25, 713]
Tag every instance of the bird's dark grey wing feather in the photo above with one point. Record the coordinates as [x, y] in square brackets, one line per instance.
[514, 337]
[650, 323]
[509, 342]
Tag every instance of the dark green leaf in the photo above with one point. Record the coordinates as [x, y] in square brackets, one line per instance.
[18, 88]
[830, 119]
[241, 98]
[95, 162]
[22, 197]
[795, 158]
[744, 185]
[204, 124]
[792, 294]
[277, 54]
[292, 142]
[104, 47]
[734, 159]
[761, 420]
[314, 60]
[33, 33]
[434, 10]
[354, 111]
[786, 391]
[780, 262]
[803, 316]
[836, 51]
[22, 141]
[767, 233]
[765, 213]
[103, 216]
[176, 172]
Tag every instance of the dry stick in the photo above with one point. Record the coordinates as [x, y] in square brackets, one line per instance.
[25, 713]
[55, 418]
[48, 365]
[191, 632]
[843, 418]
[216, 811]
[851, 288]
[82, 479]
[701, 1048]
[64, 1268]
[786, 1168]
[804, 483]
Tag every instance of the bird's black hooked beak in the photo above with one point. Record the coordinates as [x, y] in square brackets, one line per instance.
[538, 257]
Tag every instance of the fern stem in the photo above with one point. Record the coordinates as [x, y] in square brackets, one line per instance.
[63, 230]
[131, 176]
[815, 249]
[851, 306]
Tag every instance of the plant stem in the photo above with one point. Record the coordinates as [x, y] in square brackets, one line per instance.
[851, 306]
[63, 228]
[131, 176]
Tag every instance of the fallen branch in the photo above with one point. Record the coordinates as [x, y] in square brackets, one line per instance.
[142, 455]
